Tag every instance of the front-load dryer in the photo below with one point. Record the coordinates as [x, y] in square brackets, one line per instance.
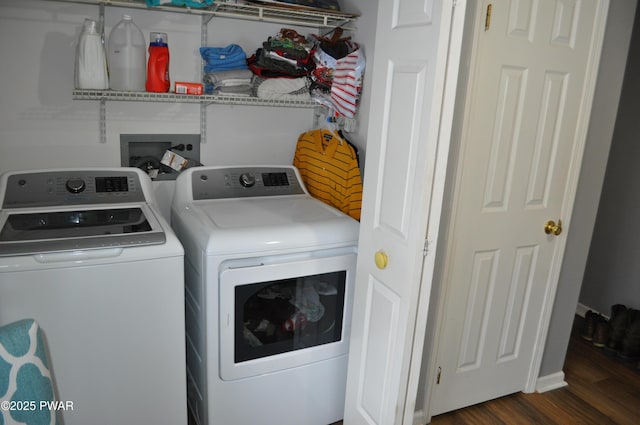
[269, 289]
[86, 254]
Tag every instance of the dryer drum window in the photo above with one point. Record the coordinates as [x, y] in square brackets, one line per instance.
[290, 314]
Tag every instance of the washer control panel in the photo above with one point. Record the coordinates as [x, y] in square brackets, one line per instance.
[244, 182]
[78, 187]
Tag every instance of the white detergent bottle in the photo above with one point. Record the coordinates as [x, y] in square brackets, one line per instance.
[91, 61]
[127, 53]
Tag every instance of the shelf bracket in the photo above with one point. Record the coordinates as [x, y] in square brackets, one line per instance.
[206, 19]
[203, 107]
[103, 121]
[203, 123]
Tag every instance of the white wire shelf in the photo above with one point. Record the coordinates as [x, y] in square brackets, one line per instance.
[238, 9]
[284, 14]
[206, 99]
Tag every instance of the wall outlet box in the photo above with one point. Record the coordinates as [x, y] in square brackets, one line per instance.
[146, 151]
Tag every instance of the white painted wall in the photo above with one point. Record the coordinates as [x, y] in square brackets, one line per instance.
[613, 271]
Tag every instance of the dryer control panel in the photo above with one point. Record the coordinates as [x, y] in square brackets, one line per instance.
[244, 182]
[76, 187]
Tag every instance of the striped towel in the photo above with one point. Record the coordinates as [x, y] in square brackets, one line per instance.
[347, 83]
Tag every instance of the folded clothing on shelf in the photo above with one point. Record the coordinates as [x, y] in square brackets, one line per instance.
[231, 82]
[287, 54]
[217, 59]
[291, 89]
[243, 90]
[223, 58]
[230, 77]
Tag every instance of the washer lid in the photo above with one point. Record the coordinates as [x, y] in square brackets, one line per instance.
[53, 230]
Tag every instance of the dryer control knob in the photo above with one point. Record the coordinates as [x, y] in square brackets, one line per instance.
[247, 180]
[75, 185]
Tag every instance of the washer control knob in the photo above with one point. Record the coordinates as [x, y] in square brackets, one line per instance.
[75, 185]
[247, 179]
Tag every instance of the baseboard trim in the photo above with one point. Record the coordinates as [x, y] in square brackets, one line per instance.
[581, 310]
[419, 418]
[550, 382]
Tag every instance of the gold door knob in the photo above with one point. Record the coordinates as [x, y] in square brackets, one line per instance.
[381, 259]
[551, 228]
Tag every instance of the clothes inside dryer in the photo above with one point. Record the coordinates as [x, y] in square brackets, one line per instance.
[290, 314]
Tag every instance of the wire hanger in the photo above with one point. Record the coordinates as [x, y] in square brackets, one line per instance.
[332, 125]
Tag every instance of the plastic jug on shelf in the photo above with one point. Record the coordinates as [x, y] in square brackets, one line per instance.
[158, 65]
[91, 60]
[127, 56]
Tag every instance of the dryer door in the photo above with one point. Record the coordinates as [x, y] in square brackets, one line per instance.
[283, 314]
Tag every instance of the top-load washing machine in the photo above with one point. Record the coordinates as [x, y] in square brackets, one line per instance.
[270, 274]
[85, 253]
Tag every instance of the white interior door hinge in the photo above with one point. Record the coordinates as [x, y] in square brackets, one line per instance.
[425, 249]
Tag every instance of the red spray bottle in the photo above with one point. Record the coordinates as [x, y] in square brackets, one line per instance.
[158, 65]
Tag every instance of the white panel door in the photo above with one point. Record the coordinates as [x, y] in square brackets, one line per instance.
[531, 84]
[402, 198]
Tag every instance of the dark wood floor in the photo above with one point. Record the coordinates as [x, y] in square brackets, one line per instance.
[602, 390]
